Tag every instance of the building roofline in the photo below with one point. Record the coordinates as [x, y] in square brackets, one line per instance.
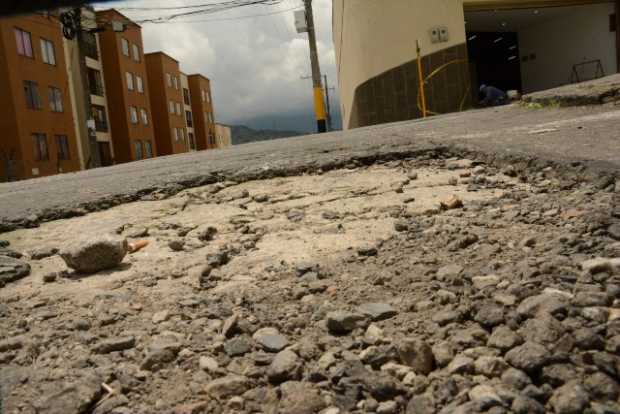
[200, 75]
[159, 52]
[128, 20]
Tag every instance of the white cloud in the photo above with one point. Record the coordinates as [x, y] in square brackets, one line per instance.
[254, 64]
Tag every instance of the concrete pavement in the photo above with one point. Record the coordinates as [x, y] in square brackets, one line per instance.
[585, 134]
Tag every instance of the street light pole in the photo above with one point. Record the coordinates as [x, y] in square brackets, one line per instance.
[319, 106]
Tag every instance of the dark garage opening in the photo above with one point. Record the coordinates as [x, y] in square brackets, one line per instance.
[494, 60]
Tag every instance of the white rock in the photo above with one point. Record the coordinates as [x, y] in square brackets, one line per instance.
[208, 364]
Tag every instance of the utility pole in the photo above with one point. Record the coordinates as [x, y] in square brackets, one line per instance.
[319, 106]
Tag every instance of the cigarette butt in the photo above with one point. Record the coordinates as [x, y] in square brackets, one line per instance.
[135, 246]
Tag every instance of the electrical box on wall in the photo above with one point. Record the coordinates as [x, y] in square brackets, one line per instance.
[439, 34]
[443, 34]
[301, 23]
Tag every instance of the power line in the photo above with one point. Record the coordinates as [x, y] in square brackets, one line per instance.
[232, 18]
[210, 9]
[195, 6]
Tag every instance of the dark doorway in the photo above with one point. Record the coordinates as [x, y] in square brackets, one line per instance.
[105, 154]
[494, 57]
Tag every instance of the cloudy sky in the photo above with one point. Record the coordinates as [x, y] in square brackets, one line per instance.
[253, 56]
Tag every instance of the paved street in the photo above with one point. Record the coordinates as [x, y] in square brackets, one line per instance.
[588, 134]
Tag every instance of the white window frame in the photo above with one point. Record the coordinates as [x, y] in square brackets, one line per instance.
[169, 80]
[171, 107]
[147, 144]
[24, 42]
[55, 98]
[145, 116]
[137, 145]
[133, 114]
[125, 46]
[202, 92]
[178, 108]
[129, 80]
[48, 52]
[139, 84]
[135, 52]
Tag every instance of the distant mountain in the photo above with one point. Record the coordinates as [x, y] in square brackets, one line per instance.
[242, 134]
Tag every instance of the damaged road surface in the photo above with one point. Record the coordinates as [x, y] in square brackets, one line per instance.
[421, 285]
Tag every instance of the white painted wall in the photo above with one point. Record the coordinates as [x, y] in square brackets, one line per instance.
[578, 36]
[374, 36]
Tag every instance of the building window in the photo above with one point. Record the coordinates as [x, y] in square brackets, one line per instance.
[186, 96]
[136, 52]
[55, 98]
[39, 143]
[208, 97]
[171, 107]
[90, 45]
[95, 84]
[101, 120]
[137, 145]
[139, 84]
[148, 149]
[178, 108]
[188, 119]
[33, 100]
[125, 46]
[62, 143]
[169, 80]
[144, 116]
[47, 52]
[24, 43]
[129, 78]
[208, 118]
[175, 80]
[133, 112]
[202, 92]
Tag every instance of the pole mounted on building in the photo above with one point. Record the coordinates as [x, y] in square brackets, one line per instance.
[618, 33]
[330, 127]
[319, 104]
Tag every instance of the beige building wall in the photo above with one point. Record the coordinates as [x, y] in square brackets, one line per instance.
[187, 112]
[372, 37]
[76, 84]
[223, 136]
[585, 30]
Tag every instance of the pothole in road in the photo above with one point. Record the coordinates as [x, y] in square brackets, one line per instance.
[368, 250]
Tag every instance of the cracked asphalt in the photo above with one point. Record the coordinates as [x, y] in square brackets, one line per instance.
[588, 135]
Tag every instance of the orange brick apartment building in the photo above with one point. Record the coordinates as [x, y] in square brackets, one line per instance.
[141, 106]
[202, 108]
[167, 102]
[36, 121]
[127, 88]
